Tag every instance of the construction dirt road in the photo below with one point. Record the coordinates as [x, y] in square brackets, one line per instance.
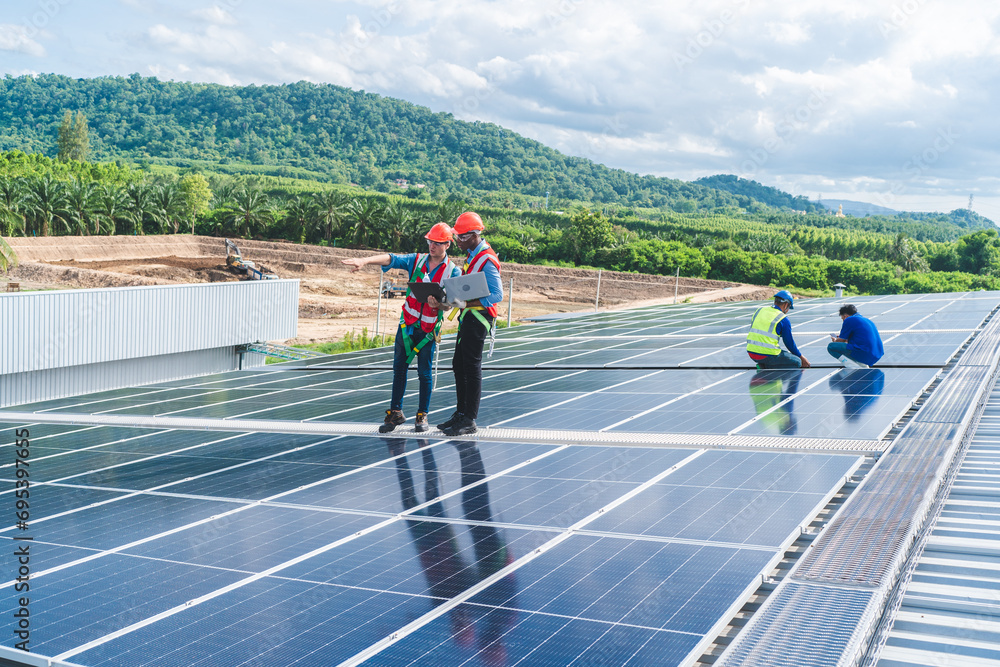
[332, 299]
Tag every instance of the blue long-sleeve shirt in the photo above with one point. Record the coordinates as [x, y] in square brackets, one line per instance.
[492, 279]
[863, 340]
[783, 329]
[408, 262]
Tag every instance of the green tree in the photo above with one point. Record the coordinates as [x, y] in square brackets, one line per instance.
[592, 231]
[74, 137]
[366, 216]
[45, 206]
[8, 258]
[195, 196]
[81, 207]
[170, 206]
[979, 252]
[12, 206]
[111, 209]
[329, 212]
[252, 211]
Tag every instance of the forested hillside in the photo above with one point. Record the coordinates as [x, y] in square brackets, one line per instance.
[40, 196]
[762, 193]
[280, 161]
[321, 131]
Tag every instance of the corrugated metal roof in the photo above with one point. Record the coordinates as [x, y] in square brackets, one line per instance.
[950, 613]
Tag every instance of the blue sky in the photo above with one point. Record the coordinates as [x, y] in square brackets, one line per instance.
[893, 102]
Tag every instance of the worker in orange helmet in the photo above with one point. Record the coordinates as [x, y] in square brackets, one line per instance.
[419, 323]
[477, 319]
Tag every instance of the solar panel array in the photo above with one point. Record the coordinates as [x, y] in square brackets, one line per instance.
[170, 546]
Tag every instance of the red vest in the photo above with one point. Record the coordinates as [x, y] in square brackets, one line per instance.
[476, 264]
[413, 310]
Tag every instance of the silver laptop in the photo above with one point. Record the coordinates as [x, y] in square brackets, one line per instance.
[471, 286]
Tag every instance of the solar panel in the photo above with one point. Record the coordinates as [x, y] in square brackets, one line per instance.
[187, 547]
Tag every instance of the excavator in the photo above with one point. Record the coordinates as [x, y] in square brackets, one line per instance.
[236, 264]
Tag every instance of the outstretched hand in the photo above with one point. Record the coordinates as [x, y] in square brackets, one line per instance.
[354, 262]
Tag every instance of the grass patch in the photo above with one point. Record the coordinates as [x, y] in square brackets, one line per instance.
[351, 342]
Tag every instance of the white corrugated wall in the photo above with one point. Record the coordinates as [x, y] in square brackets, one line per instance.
[62, 343]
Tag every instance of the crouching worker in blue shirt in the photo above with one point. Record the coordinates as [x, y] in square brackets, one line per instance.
[419, 324]
[858, 345]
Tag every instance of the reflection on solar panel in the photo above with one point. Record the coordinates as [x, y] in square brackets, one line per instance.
[201, 544]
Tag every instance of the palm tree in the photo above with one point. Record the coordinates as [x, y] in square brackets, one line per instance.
[169, 203]
[13, 202]
[366, 216]
[45, 205]
[449, 210]
[8, 258]
[299, 214]
[330, 210]
[223, 192]
[252, 211]
[398, 224]
[81, 207]
[140, 209]
[111, 208]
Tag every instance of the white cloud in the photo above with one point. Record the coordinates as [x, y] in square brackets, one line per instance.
[788, 33]
[215, 43]
[849, 100]
[15, 38]
[214, 14]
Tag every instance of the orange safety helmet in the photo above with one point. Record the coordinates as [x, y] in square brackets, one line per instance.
[469, 222]
[440, 232]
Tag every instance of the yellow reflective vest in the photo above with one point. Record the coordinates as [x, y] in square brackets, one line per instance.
[762, 338]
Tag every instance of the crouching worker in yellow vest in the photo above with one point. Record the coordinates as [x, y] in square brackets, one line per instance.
[768, 329]
[419, 324]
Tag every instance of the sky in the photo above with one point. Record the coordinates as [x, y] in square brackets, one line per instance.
[891, 102]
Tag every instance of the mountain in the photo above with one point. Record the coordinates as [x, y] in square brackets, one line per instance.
[762, 193]
[857, 208]
[323, 132]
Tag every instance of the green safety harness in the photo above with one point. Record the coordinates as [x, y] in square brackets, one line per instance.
[408, 346]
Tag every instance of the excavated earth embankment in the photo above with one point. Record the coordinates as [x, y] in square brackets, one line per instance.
[332, 300]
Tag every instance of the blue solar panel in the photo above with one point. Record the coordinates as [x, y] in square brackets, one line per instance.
[330, 545]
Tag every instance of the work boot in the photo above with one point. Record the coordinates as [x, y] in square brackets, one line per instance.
[455, 417]
[420, 423]
[393, 418]
[464, 426]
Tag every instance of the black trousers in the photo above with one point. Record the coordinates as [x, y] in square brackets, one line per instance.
[468, 363]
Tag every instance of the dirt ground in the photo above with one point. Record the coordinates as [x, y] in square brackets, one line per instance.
[332, 299]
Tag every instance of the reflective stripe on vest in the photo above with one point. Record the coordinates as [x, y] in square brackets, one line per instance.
[476, 264]
[762, 338]
[413, 310]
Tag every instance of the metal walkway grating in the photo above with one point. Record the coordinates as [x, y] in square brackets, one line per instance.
[532, 435]
[860, 553]
[778, 635]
